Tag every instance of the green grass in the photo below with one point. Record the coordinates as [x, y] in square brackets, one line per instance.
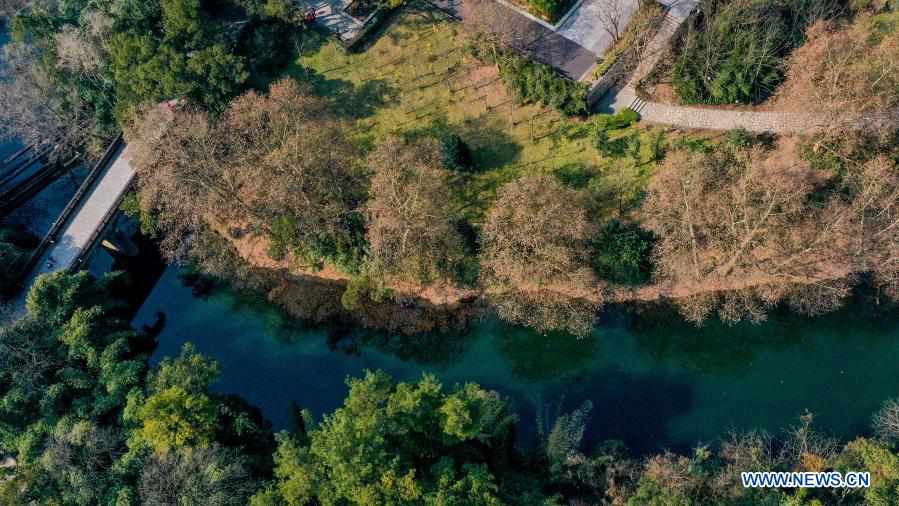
[415, 77]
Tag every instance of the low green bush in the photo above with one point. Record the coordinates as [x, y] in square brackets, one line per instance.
[366, 286]
[530, 82]
[551, 10]
[622, 253]
[456, 155]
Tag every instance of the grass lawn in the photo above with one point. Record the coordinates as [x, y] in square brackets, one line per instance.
[415, 77]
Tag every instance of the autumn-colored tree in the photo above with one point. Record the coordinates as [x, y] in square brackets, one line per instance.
[875, 219]
[269, 157]
[535, 256]
[410, 222]
[844, 70]
[741, 222]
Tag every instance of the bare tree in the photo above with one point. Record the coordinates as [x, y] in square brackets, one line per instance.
[613, 16]
[740, 223]
[267, 158]
[35, 109]
[8, 8]
[213, 476]
[410, 223]
[82, 50]
[875, 209]
[535, 256]
[886, 421]
[807, 449]
[843, 70]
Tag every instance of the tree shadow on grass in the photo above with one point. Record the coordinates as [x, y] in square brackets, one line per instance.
[347, 99]
[416, 16]
[491, 146]
[575, 175]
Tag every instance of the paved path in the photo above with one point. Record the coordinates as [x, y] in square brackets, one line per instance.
[528, 36]
[585, 24]
[717, 119]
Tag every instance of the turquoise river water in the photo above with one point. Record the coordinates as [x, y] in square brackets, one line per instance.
[655, 382]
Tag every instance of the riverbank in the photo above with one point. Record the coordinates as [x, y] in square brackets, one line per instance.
[655, 380]
[315, 295]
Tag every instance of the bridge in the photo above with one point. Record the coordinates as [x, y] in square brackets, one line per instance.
[76, 231]
[81, 224]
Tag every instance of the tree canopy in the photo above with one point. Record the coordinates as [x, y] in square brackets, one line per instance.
[535, 256]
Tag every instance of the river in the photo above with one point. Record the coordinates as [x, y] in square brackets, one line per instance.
[655, 381]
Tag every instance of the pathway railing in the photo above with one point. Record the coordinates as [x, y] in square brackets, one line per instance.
[70, 208]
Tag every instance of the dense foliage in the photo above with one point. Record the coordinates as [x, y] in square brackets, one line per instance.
[417, 443]
[79, 69]
[89, 423]
[536, 82]
[16, 245]
[733, 51]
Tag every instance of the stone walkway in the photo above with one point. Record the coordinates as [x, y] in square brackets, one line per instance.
[617, 100]
[717, 119]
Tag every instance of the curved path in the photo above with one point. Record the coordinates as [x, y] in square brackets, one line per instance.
[716, 119]
[618, 99]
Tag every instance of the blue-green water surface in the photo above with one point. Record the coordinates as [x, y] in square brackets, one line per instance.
[655, 382]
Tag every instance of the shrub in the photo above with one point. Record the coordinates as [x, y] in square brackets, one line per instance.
[364, 287]
[283, 237]
[550, 9]
[535, 82]
[734, 50]
[456, 155]
[622, 253]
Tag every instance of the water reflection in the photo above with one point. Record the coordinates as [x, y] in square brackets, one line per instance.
[536, 357]
[654, 381]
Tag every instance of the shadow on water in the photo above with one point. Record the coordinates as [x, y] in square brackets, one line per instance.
[536, 357]
[716, 347]
[633, 407]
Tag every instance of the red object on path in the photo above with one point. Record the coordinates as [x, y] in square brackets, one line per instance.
[310, 17]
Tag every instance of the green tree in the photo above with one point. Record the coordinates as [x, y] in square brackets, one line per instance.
[867, 455]
[177, 412]
[182, 22]
[398, 443]
[622, 253]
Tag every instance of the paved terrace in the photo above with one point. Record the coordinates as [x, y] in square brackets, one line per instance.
[528, 36]
[330, 14]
